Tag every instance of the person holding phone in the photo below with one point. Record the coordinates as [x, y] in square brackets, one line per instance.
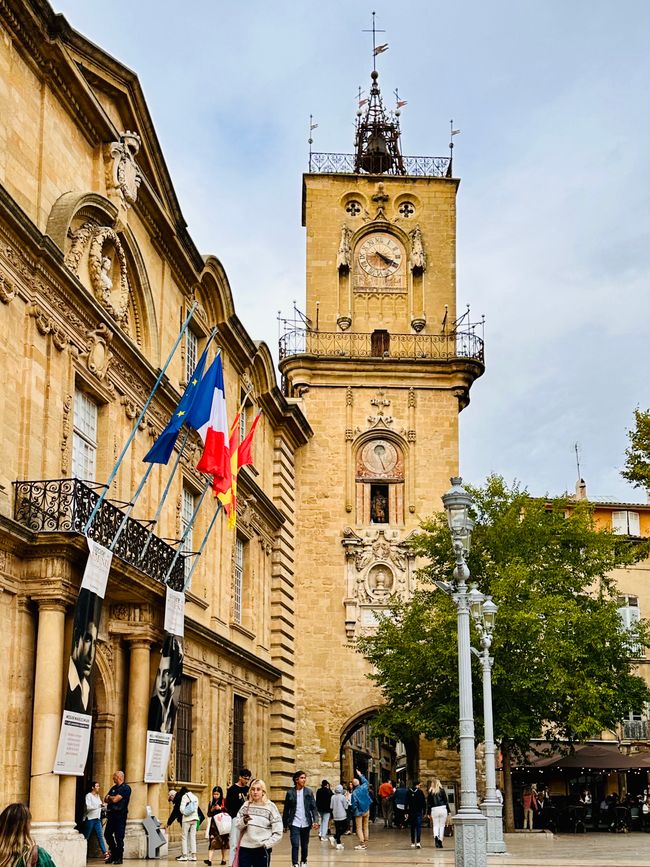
[260, 827]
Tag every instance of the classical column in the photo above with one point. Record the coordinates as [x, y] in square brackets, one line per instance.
[48, 708]
[136, 724]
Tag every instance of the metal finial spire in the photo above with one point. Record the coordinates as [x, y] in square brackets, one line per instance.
[376, 49]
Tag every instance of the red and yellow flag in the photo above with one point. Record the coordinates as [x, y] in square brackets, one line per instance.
[240, 456]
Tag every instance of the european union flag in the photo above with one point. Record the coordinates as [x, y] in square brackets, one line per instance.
[161, 450]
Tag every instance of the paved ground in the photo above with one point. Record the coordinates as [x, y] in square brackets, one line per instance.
[524, 850]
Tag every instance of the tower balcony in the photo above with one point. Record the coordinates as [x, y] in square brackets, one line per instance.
[64, 506]
[381, 345]
[422, 167]
[454, 359]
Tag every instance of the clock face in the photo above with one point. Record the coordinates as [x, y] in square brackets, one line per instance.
[380, 458]
[380, 255]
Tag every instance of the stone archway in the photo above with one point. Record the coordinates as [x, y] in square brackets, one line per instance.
[375, 756]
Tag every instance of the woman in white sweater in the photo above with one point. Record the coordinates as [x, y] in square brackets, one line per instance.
[260, 827]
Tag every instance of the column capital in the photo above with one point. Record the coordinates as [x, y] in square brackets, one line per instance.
[142, 638]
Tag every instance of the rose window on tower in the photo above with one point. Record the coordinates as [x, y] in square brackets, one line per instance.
[380, 483]
[406, 210]
[353, 208]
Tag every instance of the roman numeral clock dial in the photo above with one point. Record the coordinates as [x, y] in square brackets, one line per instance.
[380, 256]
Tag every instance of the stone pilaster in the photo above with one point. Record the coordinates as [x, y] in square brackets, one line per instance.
[136, 742]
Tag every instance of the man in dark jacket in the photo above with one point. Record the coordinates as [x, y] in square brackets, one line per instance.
[299, 816]
[416, 807]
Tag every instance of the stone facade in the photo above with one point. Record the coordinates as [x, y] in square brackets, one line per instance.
[97, 271]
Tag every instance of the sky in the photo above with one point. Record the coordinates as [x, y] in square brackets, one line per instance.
[551, 98]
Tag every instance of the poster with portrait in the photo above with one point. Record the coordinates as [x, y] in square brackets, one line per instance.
[74, 737]
[166, 690]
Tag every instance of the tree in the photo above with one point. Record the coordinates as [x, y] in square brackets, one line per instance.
[637, 456]
[563, 665]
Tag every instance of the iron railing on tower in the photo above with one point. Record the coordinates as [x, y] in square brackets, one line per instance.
[416, 347]
[431, 167]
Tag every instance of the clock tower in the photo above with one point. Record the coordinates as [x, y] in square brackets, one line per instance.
[382, 367]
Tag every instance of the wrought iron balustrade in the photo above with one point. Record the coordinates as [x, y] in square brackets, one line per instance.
[432, 167]
[344, 344]
[64, 506]
[635, 730]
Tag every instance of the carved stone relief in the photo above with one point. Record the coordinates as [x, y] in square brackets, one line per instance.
[65, 456]
[123, 174]
[98, 356]
[7, 290]
[46, 325]
[107, 267]
[378, 565]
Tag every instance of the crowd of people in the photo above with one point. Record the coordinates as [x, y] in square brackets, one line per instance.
[243, 824]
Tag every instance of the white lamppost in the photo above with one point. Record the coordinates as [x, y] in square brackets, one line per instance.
[484, 613]
[469, 822]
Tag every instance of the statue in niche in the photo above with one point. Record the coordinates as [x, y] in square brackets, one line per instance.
[343, 257]
[418, 261]
[105, 278]
[379, 509]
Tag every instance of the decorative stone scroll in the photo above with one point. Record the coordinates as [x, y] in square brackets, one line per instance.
[379, 565]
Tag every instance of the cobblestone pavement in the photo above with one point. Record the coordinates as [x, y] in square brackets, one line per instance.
[524, 850]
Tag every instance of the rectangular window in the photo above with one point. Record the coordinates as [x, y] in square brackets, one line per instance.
[191, 353]
[630, 614]
[84, 437]
[626, 523]
[240, 556]
[184, 731]
[239, 707]
[187, 511]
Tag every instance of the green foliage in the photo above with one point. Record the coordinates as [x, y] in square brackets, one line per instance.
[562, 664]
[637, 456]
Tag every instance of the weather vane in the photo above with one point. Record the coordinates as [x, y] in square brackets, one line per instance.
[376, 49]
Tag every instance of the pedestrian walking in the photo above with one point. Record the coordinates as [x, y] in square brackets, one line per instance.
[386, 792]
[189, 808]
[416, 807]
[323, 801]
[260, 827]
[529, 802]
[236, 795]
[399, 801]
[299, 816]
[339, 806]
[17, 848]
[361, 808]
[93, 817]
[117, 811]
[218, 839]
[438, 805]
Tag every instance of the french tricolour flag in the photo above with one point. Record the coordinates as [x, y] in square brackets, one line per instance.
[208, 418]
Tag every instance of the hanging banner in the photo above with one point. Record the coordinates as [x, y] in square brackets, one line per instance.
[175, 612]
[166, 691]
[74, 737]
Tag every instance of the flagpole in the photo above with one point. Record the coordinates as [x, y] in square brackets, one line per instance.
[155, 518]
[109, 481]
[161, 504]
[203, 544]
[186, 531]
[129, 507]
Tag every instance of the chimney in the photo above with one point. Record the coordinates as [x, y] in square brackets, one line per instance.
[581, 489]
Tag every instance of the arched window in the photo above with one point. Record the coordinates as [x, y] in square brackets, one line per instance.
[380, 483]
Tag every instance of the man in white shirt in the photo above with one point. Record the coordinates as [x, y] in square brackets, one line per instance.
[299, 816]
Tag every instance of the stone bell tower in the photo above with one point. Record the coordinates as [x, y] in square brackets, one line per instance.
[382, 369]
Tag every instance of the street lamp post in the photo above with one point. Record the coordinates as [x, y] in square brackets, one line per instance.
[484, 611]
[469, 822]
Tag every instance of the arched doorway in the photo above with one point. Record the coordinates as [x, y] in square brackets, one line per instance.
[378, 757]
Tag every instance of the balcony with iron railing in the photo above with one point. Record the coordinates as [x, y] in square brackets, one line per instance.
[636, 730]
[430, 167]
[382, 345]
[64, 506]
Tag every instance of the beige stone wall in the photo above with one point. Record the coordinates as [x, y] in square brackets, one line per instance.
[58, 334]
